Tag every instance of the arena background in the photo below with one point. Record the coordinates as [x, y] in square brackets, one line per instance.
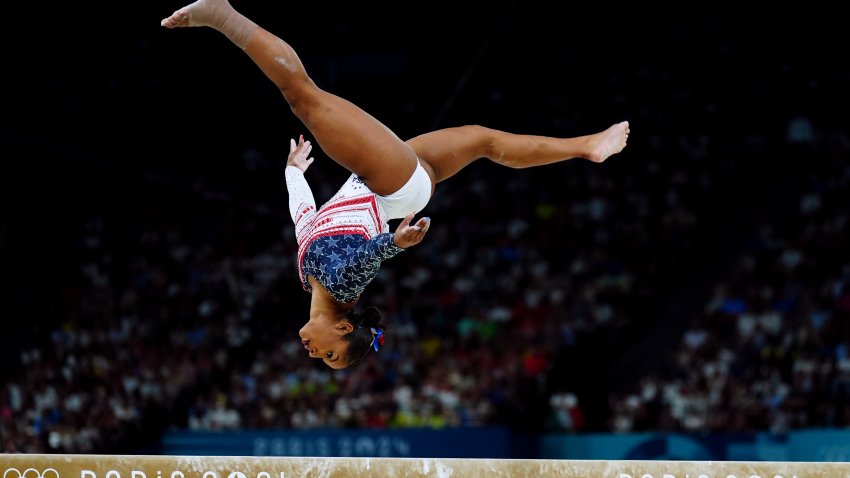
[697, 283]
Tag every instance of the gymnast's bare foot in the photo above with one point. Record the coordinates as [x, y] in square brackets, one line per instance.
[200, 14]
[607, 143]
[217, 14]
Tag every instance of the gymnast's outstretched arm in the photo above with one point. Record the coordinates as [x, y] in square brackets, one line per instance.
[302, 205]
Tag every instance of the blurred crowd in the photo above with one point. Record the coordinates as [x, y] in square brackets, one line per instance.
[180, 301]
[188, 319]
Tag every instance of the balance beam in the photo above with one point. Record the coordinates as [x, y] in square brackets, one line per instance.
[151, 466]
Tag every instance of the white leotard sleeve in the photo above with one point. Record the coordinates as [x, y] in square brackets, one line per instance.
[302, 206]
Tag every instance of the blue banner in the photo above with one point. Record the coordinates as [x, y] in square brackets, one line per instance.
[805, 445]
[413, 443]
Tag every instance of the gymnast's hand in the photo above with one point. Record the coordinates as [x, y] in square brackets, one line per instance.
[406, 235]
[299, 153]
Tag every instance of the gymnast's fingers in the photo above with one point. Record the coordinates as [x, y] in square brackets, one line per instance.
[421, 229]
[406, 221]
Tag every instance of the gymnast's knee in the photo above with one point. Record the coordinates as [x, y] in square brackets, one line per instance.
[301, 95]
[483, 139]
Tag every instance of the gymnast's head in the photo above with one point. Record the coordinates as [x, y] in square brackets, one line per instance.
[343, 340]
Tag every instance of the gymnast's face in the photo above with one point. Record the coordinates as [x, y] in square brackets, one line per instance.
[322, 336]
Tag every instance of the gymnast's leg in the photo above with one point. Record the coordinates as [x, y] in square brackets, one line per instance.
[449, 150]
[346, 133]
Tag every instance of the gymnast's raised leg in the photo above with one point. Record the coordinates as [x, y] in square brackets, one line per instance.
[346, 133]
[449, 150]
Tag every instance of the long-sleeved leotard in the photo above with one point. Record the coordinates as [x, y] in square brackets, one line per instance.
[343, 243]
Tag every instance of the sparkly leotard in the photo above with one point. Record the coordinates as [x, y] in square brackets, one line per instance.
[343, 243]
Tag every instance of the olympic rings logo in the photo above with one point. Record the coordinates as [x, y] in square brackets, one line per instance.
[27, 473]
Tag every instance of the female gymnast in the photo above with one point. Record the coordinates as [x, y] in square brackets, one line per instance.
[342, 244]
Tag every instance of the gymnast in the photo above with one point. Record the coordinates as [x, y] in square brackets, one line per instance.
[342, 244]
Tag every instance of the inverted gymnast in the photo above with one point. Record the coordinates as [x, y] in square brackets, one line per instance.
[342, 244]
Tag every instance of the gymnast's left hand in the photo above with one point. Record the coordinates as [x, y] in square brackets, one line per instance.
[406, 235]
[299, 154]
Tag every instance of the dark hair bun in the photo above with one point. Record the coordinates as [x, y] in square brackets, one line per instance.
[360, 340]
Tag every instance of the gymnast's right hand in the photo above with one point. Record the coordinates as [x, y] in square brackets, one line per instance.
[299, 154]
[406, 235]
